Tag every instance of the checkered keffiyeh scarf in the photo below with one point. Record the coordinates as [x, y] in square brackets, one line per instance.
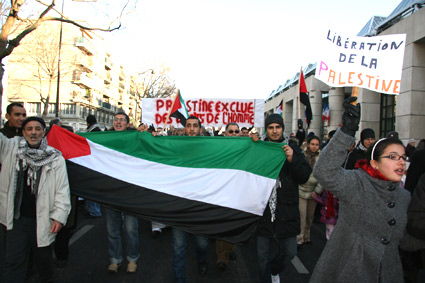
[273, 196]
[33, 159]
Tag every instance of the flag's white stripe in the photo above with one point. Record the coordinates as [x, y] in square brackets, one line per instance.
[231, 188]
[183, 112]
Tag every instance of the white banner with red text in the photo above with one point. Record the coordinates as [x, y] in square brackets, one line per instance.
[374, 62]
[212, 112]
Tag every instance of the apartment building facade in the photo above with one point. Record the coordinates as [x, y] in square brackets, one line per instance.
[90, 80]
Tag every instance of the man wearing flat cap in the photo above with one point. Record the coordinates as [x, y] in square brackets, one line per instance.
[34, 200]
[367, 137]
[278, 229]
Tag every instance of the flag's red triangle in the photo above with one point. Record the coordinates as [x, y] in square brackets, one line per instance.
[176, 105]
[70, 144]
[303, 87]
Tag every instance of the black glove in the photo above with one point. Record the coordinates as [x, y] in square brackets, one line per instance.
[350, 116]
[300, 124]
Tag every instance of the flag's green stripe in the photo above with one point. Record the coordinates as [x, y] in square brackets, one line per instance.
[262, 158]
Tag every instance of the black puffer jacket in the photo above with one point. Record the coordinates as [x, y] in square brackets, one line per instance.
[357, 154]
[287, 222]
[10, 131]
[416, 212]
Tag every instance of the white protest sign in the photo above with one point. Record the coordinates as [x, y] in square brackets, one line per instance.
[374, 63]
[211, 112]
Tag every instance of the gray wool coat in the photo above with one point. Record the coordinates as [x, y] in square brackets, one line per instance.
[372, 220]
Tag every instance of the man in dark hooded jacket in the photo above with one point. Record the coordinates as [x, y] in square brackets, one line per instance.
[280, 224]
[367, 137]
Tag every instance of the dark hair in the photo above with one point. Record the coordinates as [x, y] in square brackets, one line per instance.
[313, 138]
[379, 146]
[244, 128]
[331, 133]
[122, 113]
[54, 121]
[91, 119]
[230, 124]
[195, 118]
[421, 144]
[9, 107]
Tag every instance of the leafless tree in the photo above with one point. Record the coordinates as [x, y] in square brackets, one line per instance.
[156, 82]
[10, 19]
[40, 57]
[153, 82]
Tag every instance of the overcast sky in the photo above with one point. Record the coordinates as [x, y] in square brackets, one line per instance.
[233, 48]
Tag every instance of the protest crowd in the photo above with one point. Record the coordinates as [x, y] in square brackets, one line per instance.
[369, 195]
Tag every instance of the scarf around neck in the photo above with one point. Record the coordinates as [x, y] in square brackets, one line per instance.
[311, 157]
[278, 184]
[32, 159]
[362, 164]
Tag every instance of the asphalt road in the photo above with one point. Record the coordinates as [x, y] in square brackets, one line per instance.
[88, 260]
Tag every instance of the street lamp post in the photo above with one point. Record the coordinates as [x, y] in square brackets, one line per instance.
[59, 65]
[59, 57]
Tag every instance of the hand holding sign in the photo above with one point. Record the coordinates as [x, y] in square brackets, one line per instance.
[350, 116]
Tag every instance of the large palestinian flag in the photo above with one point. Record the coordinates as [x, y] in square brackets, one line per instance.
[214, 186]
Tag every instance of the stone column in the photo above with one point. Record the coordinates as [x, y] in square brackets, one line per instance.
[316, 108]
[336, 98]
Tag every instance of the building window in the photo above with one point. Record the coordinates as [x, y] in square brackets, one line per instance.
[68, 109]
[324, 124]
[33, 108]
[52, 108]
[387, 117]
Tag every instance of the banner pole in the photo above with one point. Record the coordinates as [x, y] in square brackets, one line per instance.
[169, 112]
[355, 93]
[299, 90]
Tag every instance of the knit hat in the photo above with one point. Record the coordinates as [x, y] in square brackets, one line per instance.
[392, 135]
[411, 140]
[34, 118]
[274, 118]
[367, 134]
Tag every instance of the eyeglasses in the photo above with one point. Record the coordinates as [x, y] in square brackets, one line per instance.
[231, 131]
[120, 120]
[396, 157]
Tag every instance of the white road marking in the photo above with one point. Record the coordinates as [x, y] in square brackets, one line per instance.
[77, 235]
[299, 266]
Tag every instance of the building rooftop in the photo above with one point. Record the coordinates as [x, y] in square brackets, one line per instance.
[370, 28]
[373, 27]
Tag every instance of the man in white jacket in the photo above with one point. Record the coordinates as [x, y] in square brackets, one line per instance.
[34, 200]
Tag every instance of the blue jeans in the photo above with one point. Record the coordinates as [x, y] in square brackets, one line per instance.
[93, 208]
[179, 253]
[115, 220]
[274, 252]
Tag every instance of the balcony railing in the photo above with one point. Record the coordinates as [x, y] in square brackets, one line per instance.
[82, 80]
[106, 105]
[85, 62]
[85, 45]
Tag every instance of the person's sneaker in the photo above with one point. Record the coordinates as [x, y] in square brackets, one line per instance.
[113, 267]
[275, 278]
[131, 267]
[156, 233]
[221, 266]
[61, 263]
[203, 267]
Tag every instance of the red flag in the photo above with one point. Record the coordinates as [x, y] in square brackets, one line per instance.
[304, 98]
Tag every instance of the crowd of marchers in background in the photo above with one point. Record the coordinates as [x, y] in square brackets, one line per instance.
[370, 196]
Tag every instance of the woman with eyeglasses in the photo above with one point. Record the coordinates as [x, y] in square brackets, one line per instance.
[372, 209]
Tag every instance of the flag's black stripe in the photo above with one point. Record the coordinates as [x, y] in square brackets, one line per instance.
[179, 116]
[189, 215]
